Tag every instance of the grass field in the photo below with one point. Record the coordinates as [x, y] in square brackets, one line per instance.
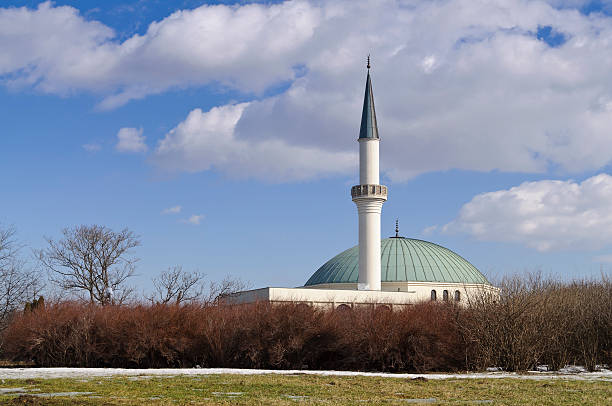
[301, 389]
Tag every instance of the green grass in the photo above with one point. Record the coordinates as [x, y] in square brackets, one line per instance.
[307, 389]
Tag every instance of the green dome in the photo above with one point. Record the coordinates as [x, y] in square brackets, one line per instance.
[402, 260]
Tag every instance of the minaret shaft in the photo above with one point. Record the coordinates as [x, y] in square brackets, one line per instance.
[369, 196]
[369, 243]
[368, 161]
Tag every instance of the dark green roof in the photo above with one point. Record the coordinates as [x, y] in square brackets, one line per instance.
[369, 128]
[402, 260]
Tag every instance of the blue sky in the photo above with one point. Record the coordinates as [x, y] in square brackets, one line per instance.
[246, 116]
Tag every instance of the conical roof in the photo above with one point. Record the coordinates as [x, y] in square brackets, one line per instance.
[402, 260]
[369, 128]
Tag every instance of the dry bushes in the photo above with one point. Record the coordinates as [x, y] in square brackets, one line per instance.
[534, 322]
[420, 338]
[540, 322]
[74, 334]
[251, 336]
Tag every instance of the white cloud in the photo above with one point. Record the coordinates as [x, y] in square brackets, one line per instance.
[428, 64]
[195, 219]
[172, 210]
[131, 140]
[460, 84]
[92, 147]
[427, 231]
[545, 215]
[249, 47]
[206, 140]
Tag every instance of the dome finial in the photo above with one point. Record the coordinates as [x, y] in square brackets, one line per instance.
[368, 61]
[396, 227]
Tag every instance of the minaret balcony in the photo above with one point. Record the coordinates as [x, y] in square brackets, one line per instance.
[360, 191]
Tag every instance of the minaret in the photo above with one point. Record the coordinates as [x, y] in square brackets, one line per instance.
[369, 196]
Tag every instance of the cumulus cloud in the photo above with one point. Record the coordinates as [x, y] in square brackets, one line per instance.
[131, 140]
[465, 84]
[206, 140]
[249, 47]
[172, 210]
[545, 215]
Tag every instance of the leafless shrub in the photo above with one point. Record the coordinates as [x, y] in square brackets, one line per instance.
[93, 260]
[418, 338]
[251, 336]
[540, 321]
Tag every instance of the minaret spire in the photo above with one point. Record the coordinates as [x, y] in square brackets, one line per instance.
[396, 228]
[369, 195]
[369, 127]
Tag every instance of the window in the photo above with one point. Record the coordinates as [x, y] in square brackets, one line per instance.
[433, 295]
[457, 296]
[343, 308]
[445, 295]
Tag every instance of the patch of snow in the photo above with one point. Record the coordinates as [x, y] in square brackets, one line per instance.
[428, 400]
[572, 369]
[84, 373]
[296, 397]
[11, 390]
[228, 394]
[602, 368]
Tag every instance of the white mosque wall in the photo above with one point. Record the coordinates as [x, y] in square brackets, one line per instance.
[393, 295]
[422, 291]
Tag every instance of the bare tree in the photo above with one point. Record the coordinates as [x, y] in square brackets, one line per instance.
[9, 246]
[92, 260]
[177, 286]
[227, 286]
[18, 283]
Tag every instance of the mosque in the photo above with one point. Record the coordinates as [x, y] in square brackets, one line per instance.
[392, 272]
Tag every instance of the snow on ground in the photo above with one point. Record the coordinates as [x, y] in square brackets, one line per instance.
[46, 373]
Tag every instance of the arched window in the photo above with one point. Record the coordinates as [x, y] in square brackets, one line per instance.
[457, 296]
[343, 307]
[433, 295]
[445, 295]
